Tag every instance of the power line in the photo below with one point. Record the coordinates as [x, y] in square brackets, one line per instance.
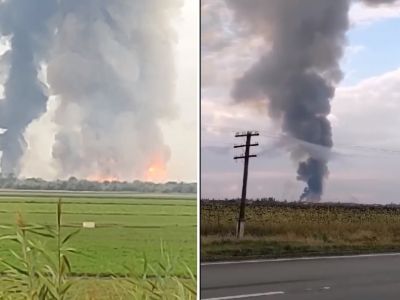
[339, 145]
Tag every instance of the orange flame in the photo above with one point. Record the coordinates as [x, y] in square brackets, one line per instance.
[102, 178]
[156, 172]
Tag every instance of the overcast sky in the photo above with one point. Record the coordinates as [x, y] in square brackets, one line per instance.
[365, 113]
[179, 132]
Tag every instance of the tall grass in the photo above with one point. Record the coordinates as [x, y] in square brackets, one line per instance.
[159, 281]
[324, 222]
[293, 229]
[38, 273]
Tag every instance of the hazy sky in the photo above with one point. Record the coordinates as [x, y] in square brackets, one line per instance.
[365, 113]
[182, 134]
[179, 132]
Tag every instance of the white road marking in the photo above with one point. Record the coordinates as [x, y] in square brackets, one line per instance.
[326, 288]
[247, 296]
[298, 259]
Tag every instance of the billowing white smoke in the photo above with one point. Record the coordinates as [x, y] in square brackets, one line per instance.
[110, 66]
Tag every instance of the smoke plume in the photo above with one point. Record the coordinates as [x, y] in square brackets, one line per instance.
[111, 70]
[26, 23]
[298, 73]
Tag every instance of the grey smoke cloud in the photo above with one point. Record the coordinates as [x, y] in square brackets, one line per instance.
[111, 67]
[27, 25]
[298, 74]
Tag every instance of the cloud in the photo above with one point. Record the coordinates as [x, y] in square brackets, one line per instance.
[227, 49]
[368, 113]
[221, 120]
[361, 14]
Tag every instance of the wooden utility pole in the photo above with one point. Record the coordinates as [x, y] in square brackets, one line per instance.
[246, 157]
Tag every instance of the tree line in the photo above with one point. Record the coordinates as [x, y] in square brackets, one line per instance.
[74, 184]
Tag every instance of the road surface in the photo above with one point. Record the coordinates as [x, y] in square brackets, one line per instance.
[366, 277]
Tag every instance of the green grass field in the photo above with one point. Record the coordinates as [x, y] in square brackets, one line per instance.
[127, 227]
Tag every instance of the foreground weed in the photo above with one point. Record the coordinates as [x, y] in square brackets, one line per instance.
[158, 281]
[38, 273]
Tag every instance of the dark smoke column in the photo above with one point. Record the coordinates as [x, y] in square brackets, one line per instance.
[298, 73]
[25, 21]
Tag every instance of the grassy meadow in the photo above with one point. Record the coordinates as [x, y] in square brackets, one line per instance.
[276, 229]
[129, 233]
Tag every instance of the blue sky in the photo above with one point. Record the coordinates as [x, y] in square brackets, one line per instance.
[377, 50]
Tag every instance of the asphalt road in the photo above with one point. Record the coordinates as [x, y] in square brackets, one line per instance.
[366, 277]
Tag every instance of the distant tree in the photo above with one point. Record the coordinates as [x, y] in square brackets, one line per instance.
[9, 181]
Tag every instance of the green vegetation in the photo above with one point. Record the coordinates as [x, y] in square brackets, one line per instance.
[9, 181]
[276, 229]
[126, 228]
[40, 272]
